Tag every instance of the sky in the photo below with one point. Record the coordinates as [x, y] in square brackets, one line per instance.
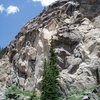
[14, 14]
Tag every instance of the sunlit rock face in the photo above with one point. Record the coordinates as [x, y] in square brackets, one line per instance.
[74, 25]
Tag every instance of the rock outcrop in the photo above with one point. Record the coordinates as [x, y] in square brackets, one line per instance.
[95, 95]
[75, 27]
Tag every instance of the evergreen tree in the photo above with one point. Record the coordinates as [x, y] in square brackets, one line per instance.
[50, 85]
[2, 52]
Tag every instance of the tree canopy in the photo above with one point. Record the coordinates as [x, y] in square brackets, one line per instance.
[50, 85]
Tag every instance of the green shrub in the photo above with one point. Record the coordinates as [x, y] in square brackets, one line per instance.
[79, 94]
[34, 97]
[17, 91]
[73, 98]
[2, 52]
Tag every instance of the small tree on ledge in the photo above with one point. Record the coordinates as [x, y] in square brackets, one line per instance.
[2, 52]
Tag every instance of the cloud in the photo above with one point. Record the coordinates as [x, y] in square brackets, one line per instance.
[9, 10]
[12, 10]
[2, 8]
[45, 2]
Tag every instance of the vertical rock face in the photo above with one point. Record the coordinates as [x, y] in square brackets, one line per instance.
[75, 27]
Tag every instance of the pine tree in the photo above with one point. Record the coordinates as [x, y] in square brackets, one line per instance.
[2, 52]
[50, 85]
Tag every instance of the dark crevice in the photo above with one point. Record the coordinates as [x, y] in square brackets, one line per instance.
[98, 76]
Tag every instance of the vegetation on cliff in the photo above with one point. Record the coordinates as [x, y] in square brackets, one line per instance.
[50, 85]
[2, 52]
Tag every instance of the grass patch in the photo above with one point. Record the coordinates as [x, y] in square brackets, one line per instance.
[18, 91]
[73, 98]
[79, 94]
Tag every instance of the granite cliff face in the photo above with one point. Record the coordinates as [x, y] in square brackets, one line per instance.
[75, 27]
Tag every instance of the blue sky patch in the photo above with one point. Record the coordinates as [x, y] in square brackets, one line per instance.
[14, 14]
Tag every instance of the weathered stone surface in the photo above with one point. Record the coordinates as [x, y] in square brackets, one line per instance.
[91, 96]
[75, 27]
[2, 95]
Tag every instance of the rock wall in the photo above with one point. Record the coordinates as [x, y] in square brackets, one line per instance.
[75, 27]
